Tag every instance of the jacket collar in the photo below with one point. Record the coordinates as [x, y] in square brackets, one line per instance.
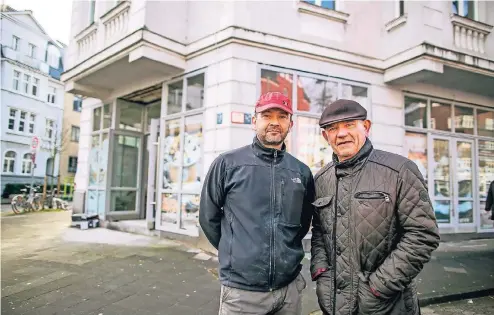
[354, 164]
[267, 154]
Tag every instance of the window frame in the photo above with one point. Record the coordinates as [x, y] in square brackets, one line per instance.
[182, 116]
[293, 135]
[337, 6]
[74, 138]
[50, 129]
[16, 43]
[35, 87]
[28, 161]
[26, 83]
[400, 8]
[32, 50]
[51, 95]
[11, 161]
[72, 168]
[16, 80]
[461, 9]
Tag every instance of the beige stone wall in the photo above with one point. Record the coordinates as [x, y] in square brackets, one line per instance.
[69, 147]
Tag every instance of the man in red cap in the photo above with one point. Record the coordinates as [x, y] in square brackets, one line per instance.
[256, 207]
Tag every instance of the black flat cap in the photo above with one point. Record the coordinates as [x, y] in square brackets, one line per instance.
[342, 110]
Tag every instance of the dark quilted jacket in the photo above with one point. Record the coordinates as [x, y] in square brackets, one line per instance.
[373, 225]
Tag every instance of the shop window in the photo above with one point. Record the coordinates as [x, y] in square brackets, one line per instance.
[415, 112]
[415, 148]
[485, 123]
[182, 154]
[464, 120]
[314, 95]
[9, 162]
[441, 113]
[485, 177]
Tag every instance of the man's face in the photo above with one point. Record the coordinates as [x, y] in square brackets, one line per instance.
[272, 126]
[347, 137]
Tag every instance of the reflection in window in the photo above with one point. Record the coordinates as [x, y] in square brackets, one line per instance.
[192, 154]
[123, 200]
[175, 91]
[169, 208]
[195, 92]
[464, 169]
[125, 161]
[441, 168]
[94, 160]
[465, 212]
[272, 81]
[442, 209]
[314, 95]
[97, 119]
[485, 123]
[355, 93]
[130, 116]
[415, 112]
[107, 113]
[464, 120]
[416, 150]
[312, 149]
[485, 177]
[440, 116]
[189, 211]
[171, 154]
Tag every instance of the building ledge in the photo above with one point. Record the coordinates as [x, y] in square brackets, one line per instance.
[393, 24]
[471, 24]
[470, 35]
[304, 7]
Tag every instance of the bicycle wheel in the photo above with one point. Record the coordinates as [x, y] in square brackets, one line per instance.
[36, 203]
[17, 204]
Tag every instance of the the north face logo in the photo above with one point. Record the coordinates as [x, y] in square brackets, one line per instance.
[296, 180]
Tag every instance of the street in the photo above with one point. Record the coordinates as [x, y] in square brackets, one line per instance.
[49, 268]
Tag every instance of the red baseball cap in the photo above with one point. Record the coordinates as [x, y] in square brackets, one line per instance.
[274, 100]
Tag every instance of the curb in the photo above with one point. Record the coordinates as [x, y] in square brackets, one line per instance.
[455, 297]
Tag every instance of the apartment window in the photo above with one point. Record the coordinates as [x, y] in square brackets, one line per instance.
[92, 9]
[400, 8]
[466, 8]
[32, 51]
[49, 130]
[35, 86]
[26, 81]
[16, 43]
[328, 4]
[32, 118]
[72, 164]
[75, 133]
[77, 104]
[12, 118]
[22, 121]
[27, 163]
[52, 92]
[15, 82]
[9, 162]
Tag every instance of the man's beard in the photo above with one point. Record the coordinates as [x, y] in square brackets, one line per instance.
[268, 139]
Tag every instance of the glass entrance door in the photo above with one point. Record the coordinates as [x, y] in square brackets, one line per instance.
[452, 183]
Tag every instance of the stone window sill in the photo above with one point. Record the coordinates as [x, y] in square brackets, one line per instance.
[393, 24]
[304, 7]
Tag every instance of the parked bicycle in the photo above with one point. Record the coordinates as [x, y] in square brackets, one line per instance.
[53, 202]
[25, 201]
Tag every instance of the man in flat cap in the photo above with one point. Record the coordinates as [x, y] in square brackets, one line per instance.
[256, 208]
[373, 227]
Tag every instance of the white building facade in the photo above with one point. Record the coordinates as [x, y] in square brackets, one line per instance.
[169, 88]
[31, 98]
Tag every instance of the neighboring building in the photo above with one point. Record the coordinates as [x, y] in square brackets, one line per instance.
[71, 132]
[424, 70]
[31, 96]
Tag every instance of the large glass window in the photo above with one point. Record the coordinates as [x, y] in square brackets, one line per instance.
[182, 163]
[485, 123]
[440, 116]
[125, 157]
[485, 178]
[415, 112]
[416, 150]
[312, 95]
[464, 120]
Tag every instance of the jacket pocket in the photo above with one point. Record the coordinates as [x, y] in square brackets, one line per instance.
[324, 211]
[368, 303]
[292, 200]
[370, 195]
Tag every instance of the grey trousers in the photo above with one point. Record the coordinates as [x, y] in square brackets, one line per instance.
[284, 301]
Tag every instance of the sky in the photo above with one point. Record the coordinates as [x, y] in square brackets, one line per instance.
[53, 15]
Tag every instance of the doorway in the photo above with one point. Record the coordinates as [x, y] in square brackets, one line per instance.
[452, 182]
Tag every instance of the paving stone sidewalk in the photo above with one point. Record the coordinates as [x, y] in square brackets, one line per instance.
[48, 268]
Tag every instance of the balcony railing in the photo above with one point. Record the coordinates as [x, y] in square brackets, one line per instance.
[110, 28]
[470, 35]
